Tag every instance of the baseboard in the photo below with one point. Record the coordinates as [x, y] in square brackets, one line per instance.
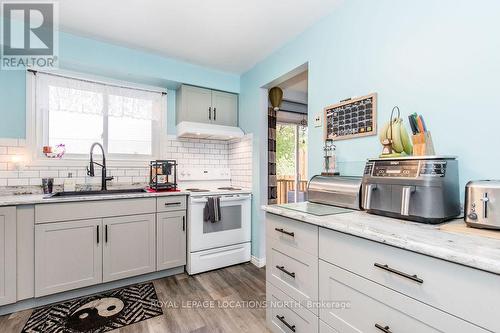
[99, 288]
[259, 262]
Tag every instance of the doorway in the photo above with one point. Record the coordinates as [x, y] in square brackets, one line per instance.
[291, 141]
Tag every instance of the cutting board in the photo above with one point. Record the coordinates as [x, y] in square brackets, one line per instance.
[462, 228]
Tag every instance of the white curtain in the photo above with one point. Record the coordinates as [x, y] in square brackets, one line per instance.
[79, 112]
[72, 95]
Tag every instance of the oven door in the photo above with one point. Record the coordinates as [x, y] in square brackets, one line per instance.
[233, 227]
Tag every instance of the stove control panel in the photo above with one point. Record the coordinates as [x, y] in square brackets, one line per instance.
[202, 174]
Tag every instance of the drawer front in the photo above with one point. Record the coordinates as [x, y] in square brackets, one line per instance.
[355, 304]
[324, 328]
[167, 204]
[464, 292]
[66, 211]
[293, 271]
[208, 260]
[295, 234]
[283, 313]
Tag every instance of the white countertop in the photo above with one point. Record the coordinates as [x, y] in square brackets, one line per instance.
[30, 199]
[470, 250]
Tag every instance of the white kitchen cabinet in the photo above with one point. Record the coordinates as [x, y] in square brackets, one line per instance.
[171, 239]
[68, 255]
[353, 304]
[7, 255]
[224, 108]
[207, 106]
[129, 246]
[194, 104]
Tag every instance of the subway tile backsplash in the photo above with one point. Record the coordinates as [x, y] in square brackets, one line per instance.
[235, 154]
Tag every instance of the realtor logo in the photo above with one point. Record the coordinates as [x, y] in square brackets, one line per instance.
[29, 34]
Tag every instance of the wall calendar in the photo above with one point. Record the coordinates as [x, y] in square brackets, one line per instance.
[351, 118]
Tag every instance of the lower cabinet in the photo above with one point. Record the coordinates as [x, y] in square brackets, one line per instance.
[129, 246]
[7, 255]
[353, 304]
[68, 255]
[170, 239]
[285, 315]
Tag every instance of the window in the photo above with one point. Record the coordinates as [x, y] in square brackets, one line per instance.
[77, 113]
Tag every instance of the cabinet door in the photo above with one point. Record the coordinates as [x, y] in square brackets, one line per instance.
[171, 239]
[68, 255]
[225, 108]
[196, 104]
[129, 246]
[7, 255]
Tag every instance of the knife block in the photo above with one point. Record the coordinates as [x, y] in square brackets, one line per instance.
[423, 145]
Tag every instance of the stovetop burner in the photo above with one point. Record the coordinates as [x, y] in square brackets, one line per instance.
[229, 188]
[197, 190]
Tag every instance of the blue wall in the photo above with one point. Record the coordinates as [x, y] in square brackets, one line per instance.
[438, 58]
[97, 58]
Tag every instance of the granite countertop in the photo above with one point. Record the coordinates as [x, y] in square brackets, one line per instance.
[470, 250]
[30, 199]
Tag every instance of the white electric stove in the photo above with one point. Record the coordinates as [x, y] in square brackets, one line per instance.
[223, 243]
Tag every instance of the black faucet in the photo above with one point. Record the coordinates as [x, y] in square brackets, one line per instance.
[90, 168]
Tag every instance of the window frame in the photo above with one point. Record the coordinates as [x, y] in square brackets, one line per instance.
[37, 122]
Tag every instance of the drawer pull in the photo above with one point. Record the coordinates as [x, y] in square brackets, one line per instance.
[282, 268]
[172, 203]
[282, 319]
[385, 329]
[395, 271]
[289, 233]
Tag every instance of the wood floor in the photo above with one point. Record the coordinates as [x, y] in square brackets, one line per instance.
[230, 293]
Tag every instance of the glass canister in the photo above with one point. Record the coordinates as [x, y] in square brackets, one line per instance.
[329, 157]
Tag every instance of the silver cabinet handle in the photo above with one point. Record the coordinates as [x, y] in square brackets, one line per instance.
[215, 113]
[385, 329]
[284, 270]
[367, 197]
[282, 319]
[405, 199]
[397, 272]
[209, 113]
[283, 231]
[172, 204]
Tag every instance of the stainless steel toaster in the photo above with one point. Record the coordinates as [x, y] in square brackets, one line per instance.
[422, 189]
[482, 205]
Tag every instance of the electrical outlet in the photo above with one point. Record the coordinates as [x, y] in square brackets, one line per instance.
[317, 120]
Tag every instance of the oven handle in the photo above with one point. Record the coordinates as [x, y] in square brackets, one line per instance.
[223, 199]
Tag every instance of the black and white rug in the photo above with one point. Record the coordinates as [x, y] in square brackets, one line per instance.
[97, 313]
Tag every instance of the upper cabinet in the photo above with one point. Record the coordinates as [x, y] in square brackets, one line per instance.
[206, 106]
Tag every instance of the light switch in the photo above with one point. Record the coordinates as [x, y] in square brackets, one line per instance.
[317, 120]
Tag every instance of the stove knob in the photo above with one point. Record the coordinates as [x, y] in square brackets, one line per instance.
[472, 216]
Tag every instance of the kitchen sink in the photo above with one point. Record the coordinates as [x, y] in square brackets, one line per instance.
[92, 193]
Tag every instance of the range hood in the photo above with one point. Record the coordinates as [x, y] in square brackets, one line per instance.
[188, 129]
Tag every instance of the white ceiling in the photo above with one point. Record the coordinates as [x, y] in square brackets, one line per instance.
[229, 35]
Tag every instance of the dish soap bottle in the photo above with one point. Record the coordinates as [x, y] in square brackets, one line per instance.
[69, 184]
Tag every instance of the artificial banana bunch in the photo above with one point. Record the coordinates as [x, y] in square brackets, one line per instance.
[396, 133]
